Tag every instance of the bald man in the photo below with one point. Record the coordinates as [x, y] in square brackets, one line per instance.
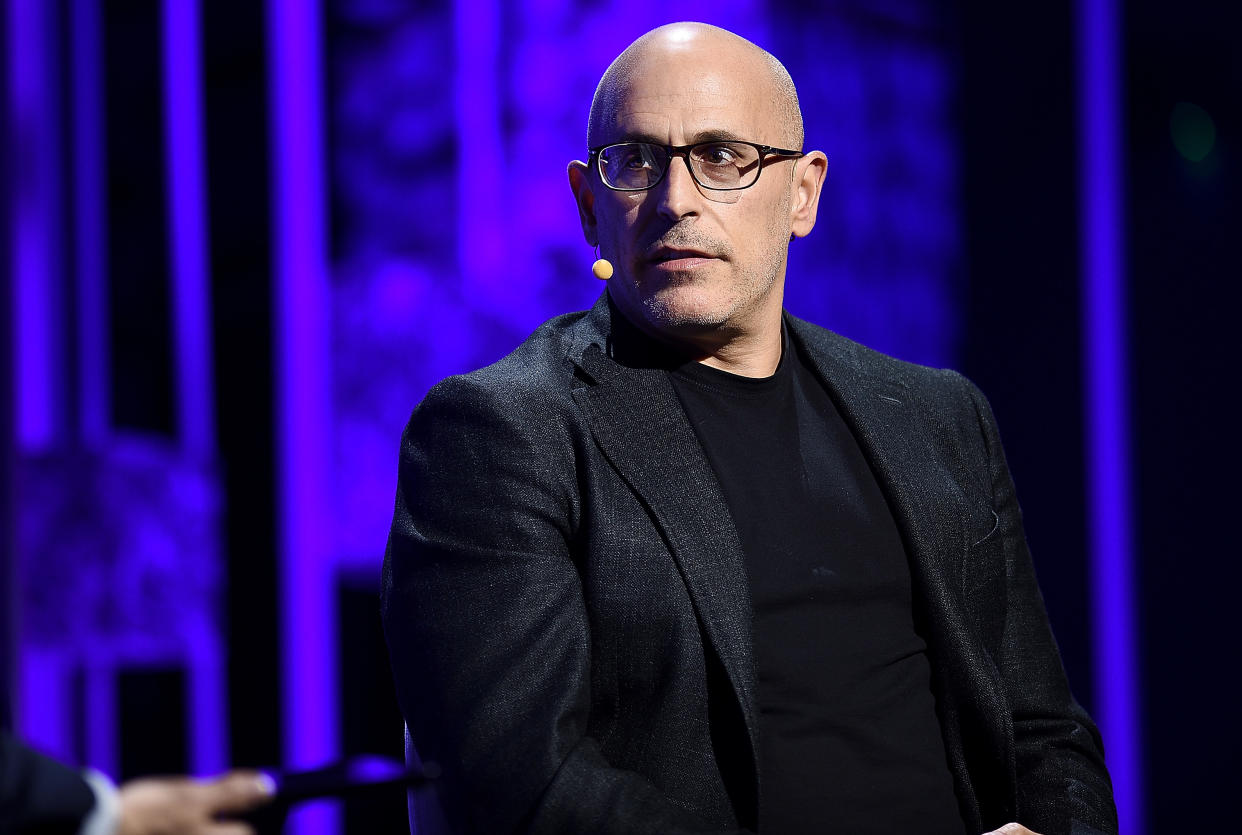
[685, 563]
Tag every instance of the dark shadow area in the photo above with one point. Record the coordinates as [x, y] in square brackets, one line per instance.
[1022, 341]
[234, 65]
[1185, 263]
[371, 720]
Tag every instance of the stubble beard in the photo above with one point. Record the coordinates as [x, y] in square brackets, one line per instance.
[728, 303]
[721, 306]
[685, 302]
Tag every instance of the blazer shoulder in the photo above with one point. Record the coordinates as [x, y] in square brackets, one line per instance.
[532, 384]
[943, 385]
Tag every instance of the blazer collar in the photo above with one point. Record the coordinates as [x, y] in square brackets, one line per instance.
[641, 428]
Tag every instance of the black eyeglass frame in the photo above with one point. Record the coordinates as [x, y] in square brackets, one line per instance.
[683, 151]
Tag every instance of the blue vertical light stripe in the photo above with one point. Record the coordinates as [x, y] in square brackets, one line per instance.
[1106, 400]
[90, 224]
[191, 315]
[207, 699]
[301, 305]
[187, 226]
[480, 222]
[40, 705]
[37, 268]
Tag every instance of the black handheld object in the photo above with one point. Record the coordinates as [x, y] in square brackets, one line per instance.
[348, 778]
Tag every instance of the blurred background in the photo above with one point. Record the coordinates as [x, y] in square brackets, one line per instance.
[242, 239]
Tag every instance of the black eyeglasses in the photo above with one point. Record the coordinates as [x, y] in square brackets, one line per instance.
[719, 165]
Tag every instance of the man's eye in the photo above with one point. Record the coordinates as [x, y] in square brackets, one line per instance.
[628, 159]
[717, 155]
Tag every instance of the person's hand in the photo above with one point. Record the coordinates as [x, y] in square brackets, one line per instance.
[1011, 829]
[182, 806]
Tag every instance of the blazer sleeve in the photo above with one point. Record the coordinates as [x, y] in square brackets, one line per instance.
[1062, 782]
[38, 794]
[487, 627]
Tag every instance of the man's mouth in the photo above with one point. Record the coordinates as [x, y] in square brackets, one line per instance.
[670, 257]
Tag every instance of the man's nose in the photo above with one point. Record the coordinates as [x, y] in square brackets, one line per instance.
[677, 195]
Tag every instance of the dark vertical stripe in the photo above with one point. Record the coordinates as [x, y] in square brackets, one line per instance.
[1184, 265]
[139, 302]
[1022, 341]
[237, 159]
[151, 702]
[70, 338]
[369, 710]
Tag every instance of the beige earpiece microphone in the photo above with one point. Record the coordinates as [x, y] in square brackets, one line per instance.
[602, 268]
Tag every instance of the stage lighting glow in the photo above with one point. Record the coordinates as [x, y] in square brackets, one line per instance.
[1193, 131]
[1107, 402]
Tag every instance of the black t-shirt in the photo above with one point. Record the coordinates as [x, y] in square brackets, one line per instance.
[849, 738]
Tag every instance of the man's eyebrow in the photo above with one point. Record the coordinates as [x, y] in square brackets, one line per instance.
[716, 135]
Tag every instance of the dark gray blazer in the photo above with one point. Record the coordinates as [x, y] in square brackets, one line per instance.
[38, 794]
[568, 617]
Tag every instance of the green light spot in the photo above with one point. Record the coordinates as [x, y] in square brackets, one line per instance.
[1193, 131]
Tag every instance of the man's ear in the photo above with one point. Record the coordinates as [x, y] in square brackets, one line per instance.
[808, 180]
[580, 184]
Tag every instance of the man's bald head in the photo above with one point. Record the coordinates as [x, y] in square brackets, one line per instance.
[712, 48]
[699, 263]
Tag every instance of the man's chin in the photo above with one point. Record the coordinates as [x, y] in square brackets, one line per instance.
[675, 313]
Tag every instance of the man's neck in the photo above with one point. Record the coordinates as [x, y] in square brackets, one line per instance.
[750, 349]
[753, 354]
[749, 345]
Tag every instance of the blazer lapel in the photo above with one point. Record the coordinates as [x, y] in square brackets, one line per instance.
[641, 428]
[895, 438]
[879, 411]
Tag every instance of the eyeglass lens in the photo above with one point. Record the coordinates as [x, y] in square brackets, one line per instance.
[715, 165]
